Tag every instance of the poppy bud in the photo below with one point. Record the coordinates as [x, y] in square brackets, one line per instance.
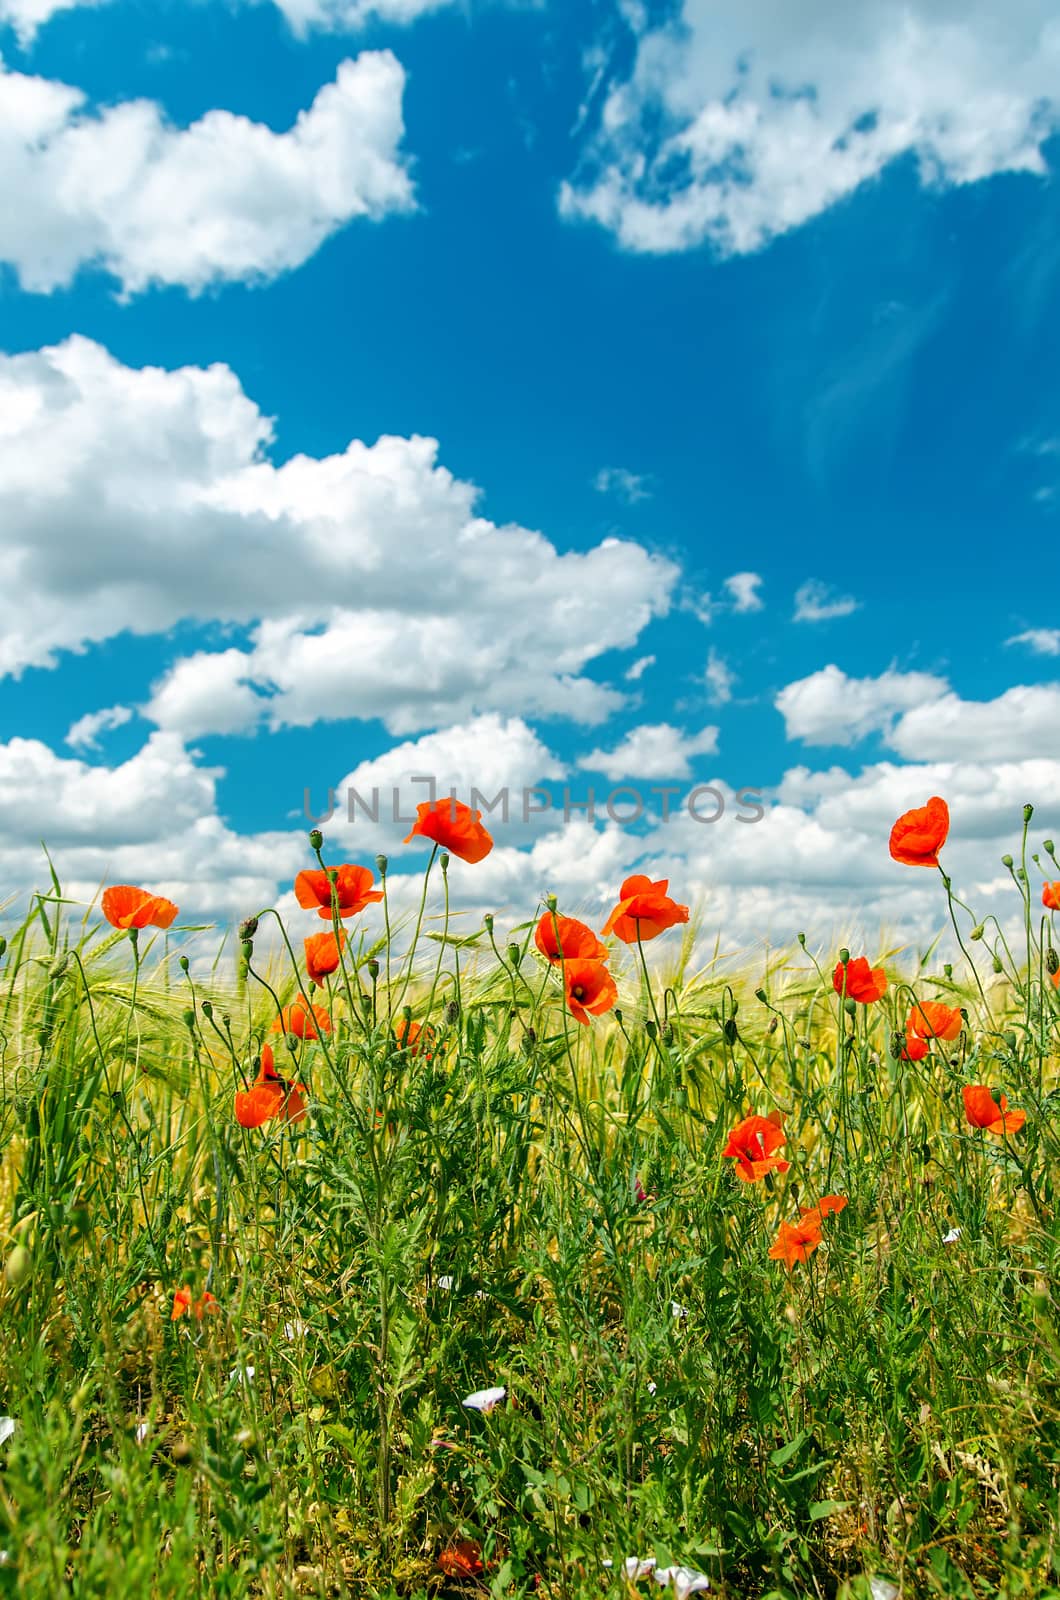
[977, 932]
[1052, 961]
[207, 1009]
[550, 901]
[515, 955]
[1048, 845]
[382, 863]
[316, 839]
[650, 1028]
[773, 1024]
[248, 949]
[617, 1014]
[292, 1043]
[850, 1006]
[997, 964]
[897, 1045]
[730, 1030]
[189, 1019]
[443, 861]
[844, 957]
[948, 969]
[226, 1020]
[760, 994]
[248, 928]
[43, 1035]
[668, 1033]
[801, 938]
[488, 920]
[452, 1012]
[373, 968]
[183, 963]
[1006, 861]
[1028, 812]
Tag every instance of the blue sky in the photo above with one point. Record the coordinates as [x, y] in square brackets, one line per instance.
[654, 275]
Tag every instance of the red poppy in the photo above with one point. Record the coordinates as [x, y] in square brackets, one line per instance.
[589, 987]
[183, 1304]
[983, 1111]
[644, 909]
[930, 1019]
[796, 1241]
[918, 835]
[353, 890]
[322, 955]
[914, 1049]
[825, 1207]
[753, 1143]
[414, 1037]
[859, 981]
[462, 1559]
[454, 826]
[126, 907]
[575, 941]
[1051, 896]
[296, 1019]
[269, 1096]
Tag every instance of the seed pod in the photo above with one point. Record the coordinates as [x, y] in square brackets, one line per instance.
[382, 863]
[316, 839]
[248, 928]
[373, 968]
[515, 955]
[452, 1012]
[1052, 961]
[207, 1008]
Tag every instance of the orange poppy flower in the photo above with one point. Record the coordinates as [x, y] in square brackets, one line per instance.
[645, 909]
[269, 1096]
[930, 1019]
[918, 835]
[982, 1110]
[914, 1049]
[296, 1019]
[322, 955]
[589, 988]
[462, 1559]
[126, 907]
[454, 826]
[183, 1304]
[863, 983]
[576, 941]
[414, 1037]
[753, 1143]
[1051, 896]
[825, 1207]
[353, 890]
[796, 1241]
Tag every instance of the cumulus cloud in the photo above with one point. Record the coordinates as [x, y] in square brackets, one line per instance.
[920, 717]
[1041, 641]
[829, 707]
[619, 481]
[719, 679]
[818, 602]
[304, 16]
[223, 200]
[742, 119]
[365, 581]
[743, 590]
[84, 733]
[654, 750]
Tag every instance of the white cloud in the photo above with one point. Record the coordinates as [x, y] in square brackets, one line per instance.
[655, 750]
[719, 678]
[743, 588]
[27, 16]
[628, 486]
[818, 602]
[920, 717]
[223, 200]
[1042, 641]
[830, 708]
[141, 497]
[84, 733]
[639, 668]
[744, 118]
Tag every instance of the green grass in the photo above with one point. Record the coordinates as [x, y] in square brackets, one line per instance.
[889, 1409]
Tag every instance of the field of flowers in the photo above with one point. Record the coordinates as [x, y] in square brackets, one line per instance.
[534, 1261]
